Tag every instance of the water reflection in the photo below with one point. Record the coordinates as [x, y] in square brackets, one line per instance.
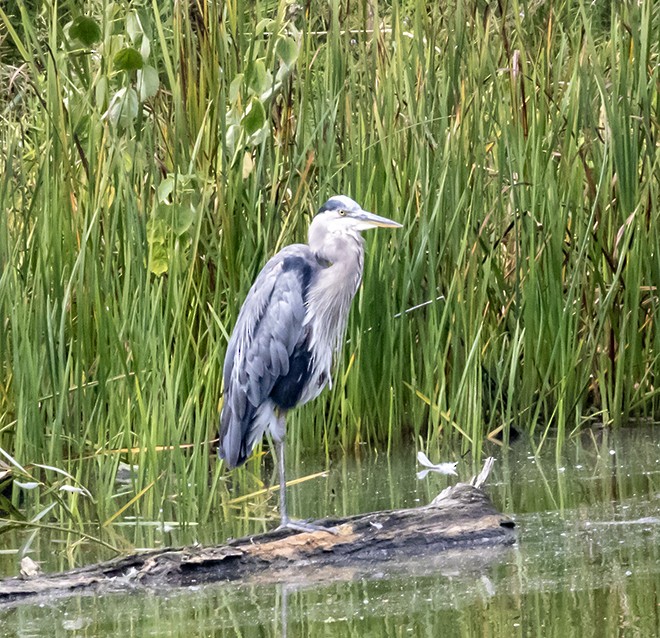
[587, 562]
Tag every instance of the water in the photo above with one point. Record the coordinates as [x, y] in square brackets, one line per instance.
[587, 561]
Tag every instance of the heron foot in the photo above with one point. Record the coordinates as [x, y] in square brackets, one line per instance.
[302, 526]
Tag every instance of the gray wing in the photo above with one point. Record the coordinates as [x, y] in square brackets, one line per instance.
[269, 326]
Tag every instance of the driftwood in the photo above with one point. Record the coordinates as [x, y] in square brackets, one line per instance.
[461, 517]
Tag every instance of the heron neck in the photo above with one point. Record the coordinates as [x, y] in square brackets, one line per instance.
[342, 257]
[345, 249]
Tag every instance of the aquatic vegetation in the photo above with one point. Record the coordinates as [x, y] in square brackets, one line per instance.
[155, 154]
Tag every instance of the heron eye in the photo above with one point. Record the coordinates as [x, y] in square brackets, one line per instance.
[342, 213]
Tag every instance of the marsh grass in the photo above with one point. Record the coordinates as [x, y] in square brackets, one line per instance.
[516, 141]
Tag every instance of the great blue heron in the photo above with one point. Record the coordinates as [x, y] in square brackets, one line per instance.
[291, 325]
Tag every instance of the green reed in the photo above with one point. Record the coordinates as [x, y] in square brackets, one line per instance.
[517, 142]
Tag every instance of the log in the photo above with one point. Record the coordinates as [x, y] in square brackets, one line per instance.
[461, 517]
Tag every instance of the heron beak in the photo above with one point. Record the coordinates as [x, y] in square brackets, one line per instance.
[370, 220]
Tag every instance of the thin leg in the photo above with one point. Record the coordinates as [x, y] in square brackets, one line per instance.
[284, 519]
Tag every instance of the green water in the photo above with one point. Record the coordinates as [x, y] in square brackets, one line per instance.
[587, 561]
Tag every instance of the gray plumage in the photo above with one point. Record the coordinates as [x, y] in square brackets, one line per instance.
[290, 328]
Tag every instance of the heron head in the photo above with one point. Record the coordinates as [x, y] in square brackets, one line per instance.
[342, 214]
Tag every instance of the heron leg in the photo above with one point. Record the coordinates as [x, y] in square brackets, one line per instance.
[284, 518]
[285, 521]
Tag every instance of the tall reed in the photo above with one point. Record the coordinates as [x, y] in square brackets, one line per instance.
[155, 154]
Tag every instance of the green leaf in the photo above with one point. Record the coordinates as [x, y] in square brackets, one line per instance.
[232, 137]
[101, 91]
[133, 27]
[145, 49]
[128, 107]
[235, 88]
[257, 79]
[157, 227]
[263, 25]
[165, 189]
[147, 82]
[123, 107]
[183, 216]
[157, 236]
[255, 116]
[287, 49]
[158, 259]
[85, 30]
[128, 59]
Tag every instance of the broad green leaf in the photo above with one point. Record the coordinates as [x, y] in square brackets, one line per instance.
[133, 27]
[156, 236]
[165, 189]
[145, 49]
[258, 79]
[267, 87]
[85, 30]
[170, 218]
[183, 216]
[101, 92]
[255, 116]
[287, 49]
[128, 59]
[232, 137]
[158, 259]
[234, 116]
[259, 137]
[235, 88]
[123, 107]
[263, 25]
[156, 227]
[147, 82]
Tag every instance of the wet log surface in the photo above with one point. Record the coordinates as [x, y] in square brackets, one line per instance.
[462, 517]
